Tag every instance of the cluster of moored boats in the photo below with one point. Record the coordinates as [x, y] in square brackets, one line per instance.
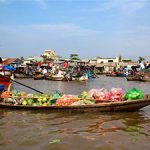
[63, 76]
[143, 76]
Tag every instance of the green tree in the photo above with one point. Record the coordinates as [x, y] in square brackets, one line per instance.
[141, 59]
[22, 59]
[98, 57]
[74, 57]
[120, 58]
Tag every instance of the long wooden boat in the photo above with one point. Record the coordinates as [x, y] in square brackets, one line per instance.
[101, 107]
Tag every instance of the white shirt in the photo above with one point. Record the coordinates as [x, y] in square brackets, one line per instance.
[142, 66]
[44, 71]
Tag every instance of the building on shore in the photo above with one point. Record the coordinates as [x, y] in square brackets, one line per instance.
[107, 65]
[49, 56]
[32, 59]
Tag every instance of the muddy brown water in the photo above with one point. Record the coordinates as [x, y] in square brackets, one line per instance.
[34, 130]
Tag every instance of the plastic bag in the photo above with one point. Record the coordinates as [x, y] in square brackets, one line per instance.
[9, 68]
[133, 94]
[99, 94]
[116, 94]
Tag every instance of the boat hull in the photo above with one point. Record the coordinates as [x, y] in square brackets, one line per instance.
[4, 77]
[39, 77]
[19, 75]
[116, 75]
[4, 81]
[133, 78]
[54, 78]
[102, 107]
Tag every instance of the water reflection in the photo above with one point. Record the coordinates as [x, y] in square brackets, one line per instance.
[33, 129]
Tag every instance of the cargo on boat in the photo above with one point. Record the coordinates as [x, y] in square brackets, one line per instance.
[96, 100]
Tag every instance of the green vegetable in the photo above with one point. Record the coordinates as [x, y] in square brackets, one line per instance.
[14, 92]
[30, 101]
[83, 94]
[134, 93]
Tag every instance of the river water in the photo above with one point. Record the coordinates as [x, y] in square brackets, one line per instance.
[33, 130]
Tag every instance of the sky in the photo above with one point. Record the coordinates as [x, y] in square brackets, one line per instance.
[89, 28]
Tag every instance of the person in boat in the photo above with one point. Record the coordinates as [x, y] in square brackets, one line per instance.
[44, 71]
[65, 65]
[68, 75]
[147, 65]
[54, 69]
[142, 67]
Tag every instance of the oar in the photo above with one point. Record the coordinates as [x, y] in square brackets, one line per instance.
[22, 84]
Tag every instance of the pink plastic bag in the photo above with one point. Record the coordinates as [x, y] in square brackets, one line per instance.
[116, 94]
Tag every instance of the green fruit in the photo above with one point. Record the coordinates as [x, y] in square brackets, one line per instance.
[24, 103]
[34, 104]
[44, 99]
[30, 101]
[39, 99]
[83, 94]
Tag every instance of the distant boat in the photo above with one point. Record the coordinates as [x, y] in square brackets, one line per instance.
[116, 75]
[54, 77]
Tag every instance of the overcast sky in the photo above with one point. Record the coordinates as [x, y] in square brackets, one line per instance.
[90, 28]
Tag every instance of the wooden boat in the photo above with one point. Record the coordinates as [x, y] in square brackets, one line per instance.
[82, 78]
[38, 77]
[54, 77]
[117, 75]
[133, 78]
[138, 78]
[145, 79]
[111, 75]
[21, 75]
[100, 107]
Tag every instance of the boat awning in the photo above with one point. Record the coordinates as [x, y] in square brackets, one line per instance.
[8, 61]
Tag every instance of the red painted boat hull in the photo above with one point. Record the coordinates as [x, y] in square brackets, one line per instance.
[4, 81]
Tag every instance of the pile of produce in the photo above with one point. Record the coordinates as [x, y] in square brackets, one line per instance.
[133, 94]
[23, 98]
[5, 94]
[103, 94]
[59, 99]
[66, 100]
